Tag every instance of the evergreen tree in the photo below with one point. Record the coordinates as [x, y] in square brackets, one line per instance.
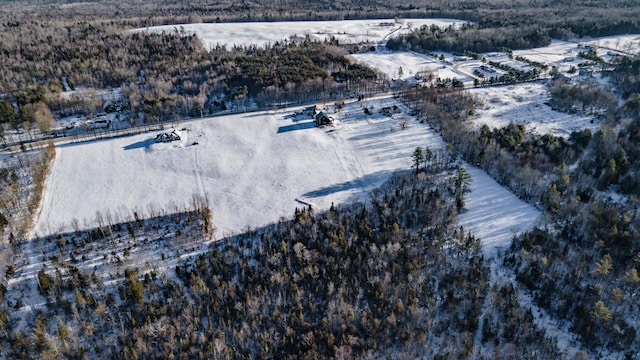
[600, 311]
[3, 222]
[428, 156]
[604, 266]
[462, 187]
[7, 114]
[418, 158]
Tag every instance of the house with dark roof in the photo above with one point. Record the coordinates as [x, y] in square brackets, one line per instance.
[322, 118]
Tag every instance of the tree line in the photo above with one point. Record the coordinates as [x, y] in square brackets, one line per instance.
[509, 156]
[469, 37]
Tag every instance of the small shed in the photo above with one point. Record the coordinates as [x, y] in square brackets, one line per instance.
[310, 111]
[389, 110]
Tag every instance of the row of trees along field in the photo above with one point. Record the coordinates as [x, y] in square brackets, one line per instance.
[21, 185]
[469, 37]
[397, 277]
[22, 178]
[496, 29]
[509, 156]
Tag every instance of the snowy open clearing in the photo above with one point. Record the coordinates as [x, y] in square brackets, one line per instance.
[253, 168]
[494, 214]
[629, 43]
[263, 33]
[559, 51]
[525, 104]
[390, 62]
[564, 54]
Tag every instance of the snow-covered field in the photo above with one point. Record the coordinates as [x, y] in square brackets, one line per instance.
[494, 214]
[250, 167]
[262, 33]
[390, 62]
[564, 54]
[257, 167]
[254, 168]
[559, 51]
[629, 43]
[525, 104]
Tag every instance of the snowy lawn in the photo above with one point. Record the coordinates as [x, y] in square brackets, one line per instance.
[629, 43]
[558, 52]
[252, 168]
[564, 54]
[263, 33]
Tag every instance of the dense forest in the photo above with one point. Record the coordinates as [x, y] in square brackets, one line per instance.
[594, 232]
[471, 38]
[395, 277]
[500, 34]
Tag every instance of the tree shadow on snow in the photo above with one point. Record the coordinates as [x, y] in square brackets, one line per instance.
[140, 144]
[367, 181]
[299, 126]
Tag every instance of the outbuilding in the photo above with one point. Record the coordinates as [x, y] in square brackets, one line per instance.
[168, 137]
